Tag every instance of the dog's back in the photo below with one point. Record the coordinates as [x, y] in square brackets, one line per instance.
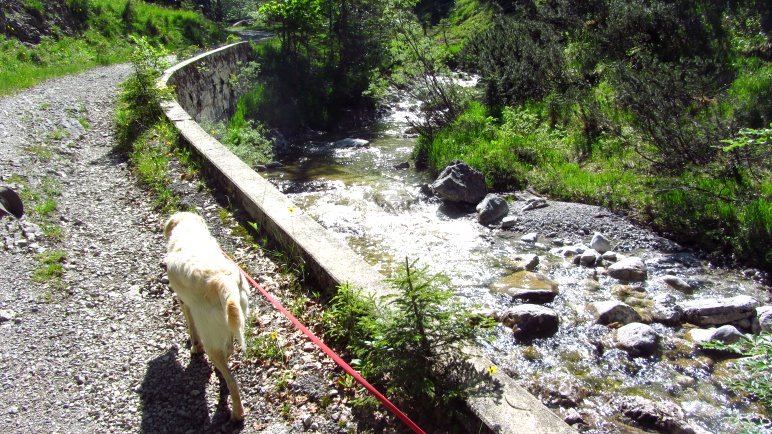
[213, 293]
[207, 282]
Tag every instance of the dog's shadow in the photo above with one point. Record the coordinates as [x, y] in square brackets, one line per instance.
[174, 397]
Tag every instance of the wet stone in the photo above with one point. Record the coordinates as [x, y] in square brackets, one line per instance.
[527, 286]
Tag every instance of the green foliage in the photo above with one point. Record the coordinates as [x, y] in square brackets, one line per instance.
[141, 130]
[263, 346]
[103, 40]
[315, 75]
[532, 68]
[247, 139]
[140, 103]
[424, 326]
[348, 315]
[751, 374]
[597, 106]
[503, 149]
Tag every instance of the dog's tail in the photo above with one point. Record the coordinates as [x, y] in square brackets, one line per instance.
[236, 319]
[235, 316]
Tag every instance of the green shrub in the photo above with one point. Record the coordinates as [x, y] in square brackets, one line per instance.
[140, 103]
[423, 326]
[348, 315]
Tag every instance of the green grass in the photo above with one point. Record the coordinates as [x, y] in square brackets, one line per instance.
[105, 41]
[150, 156]
[49, 269]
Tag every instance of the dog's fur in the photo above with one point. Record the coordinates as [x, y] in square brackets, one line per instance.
[212, 292]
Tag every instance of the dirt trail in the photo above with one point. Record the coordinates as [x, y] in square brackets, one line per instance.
[105, 349]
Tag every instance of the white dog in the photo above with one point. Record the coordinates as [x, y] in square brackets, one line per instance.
[212, 292]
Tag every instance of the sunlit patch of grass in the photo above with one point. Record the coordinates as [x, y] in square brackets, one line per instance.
[50, 269]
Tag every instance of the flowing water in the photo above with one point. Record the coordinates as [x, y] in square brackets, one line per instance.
[358, 193]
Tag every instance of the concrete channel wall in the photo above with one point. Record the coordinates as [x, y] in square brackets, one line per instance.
[503, 407]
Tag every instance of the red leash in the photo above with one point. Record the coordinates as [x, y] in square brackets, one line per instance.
[342, 363]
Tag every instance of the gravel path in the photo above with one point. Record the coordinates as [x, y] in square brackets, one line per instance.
[104, 348]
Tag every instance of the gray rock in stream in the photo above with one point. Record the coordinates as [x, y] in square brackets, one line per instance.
[492, 209]
[720, 311]
[531, 321]
[589, 258]
[764, 318]
[666, 310]
[639, 340]
[460, 183]
[630, 269]
[350, 142]
[726, 334]
[600, 243]
[607, 312]
[662, 416]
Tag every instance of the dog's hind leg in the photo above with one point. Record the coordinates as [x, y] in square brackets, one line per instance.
[195, 342]
[219, 360]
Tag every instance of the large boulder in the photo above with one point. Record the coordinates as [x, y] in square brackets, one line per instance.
[527, 286]
[639, 340]
[492, 209]
[631, 269]
[531, 321]
[710, 312]
[613, 311]
[460, 183]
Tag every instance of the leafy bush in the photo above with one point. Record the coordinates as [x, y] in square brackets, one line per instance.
[140, 102]
[531, 68]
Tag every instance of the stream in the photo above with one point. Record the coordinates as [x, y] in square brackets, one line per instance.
[356, 186]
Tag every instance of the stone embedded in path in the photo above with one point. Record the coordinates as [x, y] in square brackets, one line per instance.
[613, 311]
[492, 209]
[527, 286]
[534, 203]
[637, 339]
[600, 243]
[726, 334]
[460, 183]
[531, 321]
[720, 311]
[630, 269]
[6, 315]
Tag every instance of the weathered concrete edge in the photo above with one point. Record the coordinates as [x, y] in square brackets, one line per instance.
[332, 263]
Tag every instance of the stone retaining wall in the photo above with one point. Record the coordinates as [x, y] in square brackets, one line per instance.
[504, 407]
[203, 88]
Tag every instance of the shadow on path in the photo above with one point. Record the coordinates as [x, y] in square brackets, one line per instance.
[174, 397]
